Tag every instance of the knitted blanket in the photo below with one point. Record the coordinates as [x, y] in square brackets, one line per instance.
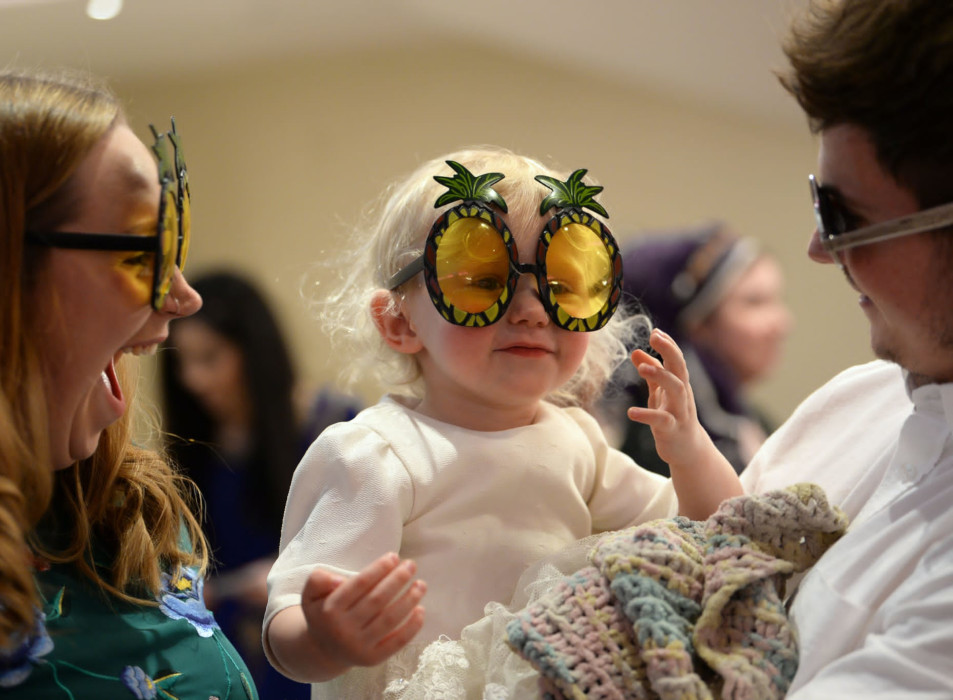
[680, 609]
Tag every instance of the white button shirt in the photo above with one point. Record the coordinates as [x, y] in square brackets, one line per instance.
[875, 615]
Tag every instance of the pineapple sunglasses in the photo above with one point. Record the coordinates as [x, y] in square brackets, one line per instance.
[471, 263]
[169, 247]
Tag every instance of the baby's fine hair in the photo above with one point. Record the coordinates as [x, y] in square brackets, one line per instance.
[396, 234]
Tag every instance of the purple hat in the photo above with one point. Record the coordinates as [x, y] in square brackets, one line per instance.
[680, 276]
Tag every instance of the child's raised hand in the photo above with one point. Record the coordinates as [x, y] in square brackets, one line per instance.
[363, 620]
[679, 437]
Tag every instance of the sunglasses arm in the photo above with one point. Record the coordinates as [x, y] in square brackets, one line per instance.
[405, 274]
[918, 222]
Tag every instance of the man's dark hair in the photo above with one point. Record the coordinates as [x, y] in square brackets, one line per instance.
[887, 67]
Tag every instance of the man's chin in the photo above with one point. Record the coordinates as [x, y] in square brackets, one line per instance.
[886, 354]
[882, 346]
[918, 374]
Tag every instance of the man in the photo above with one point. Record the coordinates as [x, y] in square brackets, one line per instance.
[875, 615]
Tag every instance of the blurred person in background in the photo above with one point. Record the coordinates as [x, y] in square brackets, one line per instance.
[235, 428]
[721, 298]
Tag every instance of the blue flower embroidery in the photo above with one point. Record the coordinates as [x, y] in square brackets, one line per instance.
[136, 680]
[17, 662]
[182, 600]
[146, 688]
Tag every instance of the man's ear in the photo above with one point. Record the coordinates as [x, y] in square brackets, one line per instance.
[393, 325]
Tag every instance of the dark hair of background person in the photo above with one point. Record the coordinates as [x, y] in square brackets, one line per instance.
[871, 65]
[235, 309]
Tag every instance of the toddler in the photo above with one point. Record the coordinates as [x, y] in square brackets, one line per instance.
[499, 320]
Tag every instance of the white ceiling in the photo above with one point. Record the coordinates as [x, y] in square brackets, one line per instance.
[720, 52]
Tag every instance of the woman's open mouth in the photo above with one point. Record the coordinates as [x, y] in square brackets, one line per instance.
[111, 381]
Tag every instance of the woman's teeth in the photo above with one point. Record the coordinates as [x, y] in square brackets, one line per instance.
[149, 349]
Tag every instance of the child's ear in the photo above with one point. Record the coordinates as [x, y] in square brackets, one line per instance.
[395, 328]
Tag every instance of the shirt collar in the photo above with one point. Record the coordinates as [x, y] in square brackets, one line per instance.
[936, 399]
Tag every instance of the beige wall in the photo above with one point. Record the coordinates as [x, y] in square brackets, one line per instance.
[284, 156]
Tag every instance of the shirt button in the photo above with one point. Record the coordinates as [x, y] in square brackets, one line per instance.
[909, 471]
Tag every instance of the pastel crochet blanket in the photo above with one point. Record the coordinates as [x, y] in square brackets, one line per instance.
[681, 609]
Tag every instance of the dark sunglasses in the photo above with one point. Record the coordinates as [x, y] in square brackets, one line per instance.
[471, 262]
[836, 228]
[169, 247]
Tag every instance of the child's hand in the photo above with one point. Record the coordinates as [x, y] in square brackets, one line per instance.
[679, 437]
[363, 620]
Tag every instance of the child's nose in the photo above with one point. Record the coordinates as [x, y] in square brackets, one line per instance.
[526, 306]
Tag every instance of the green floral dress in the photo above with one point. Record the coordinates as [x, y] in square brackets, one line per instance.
[87, 645]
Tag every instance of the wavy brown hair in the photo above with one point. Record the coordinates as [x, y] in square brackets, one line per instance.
[127, 498]
[885, 66]
[131, 500]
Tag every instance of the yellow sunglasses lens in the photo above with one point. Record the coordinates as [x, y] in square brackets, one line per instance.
[472, 265]
[186, 224]
[169, 242]
[579, 270]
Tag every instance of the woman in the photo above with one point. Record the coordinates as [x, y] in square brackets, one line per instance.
[228, 384]
[721, 298]
[101, 560]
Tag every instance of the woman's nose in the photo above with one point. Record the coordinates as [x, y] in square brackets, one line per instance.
[182, 299]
